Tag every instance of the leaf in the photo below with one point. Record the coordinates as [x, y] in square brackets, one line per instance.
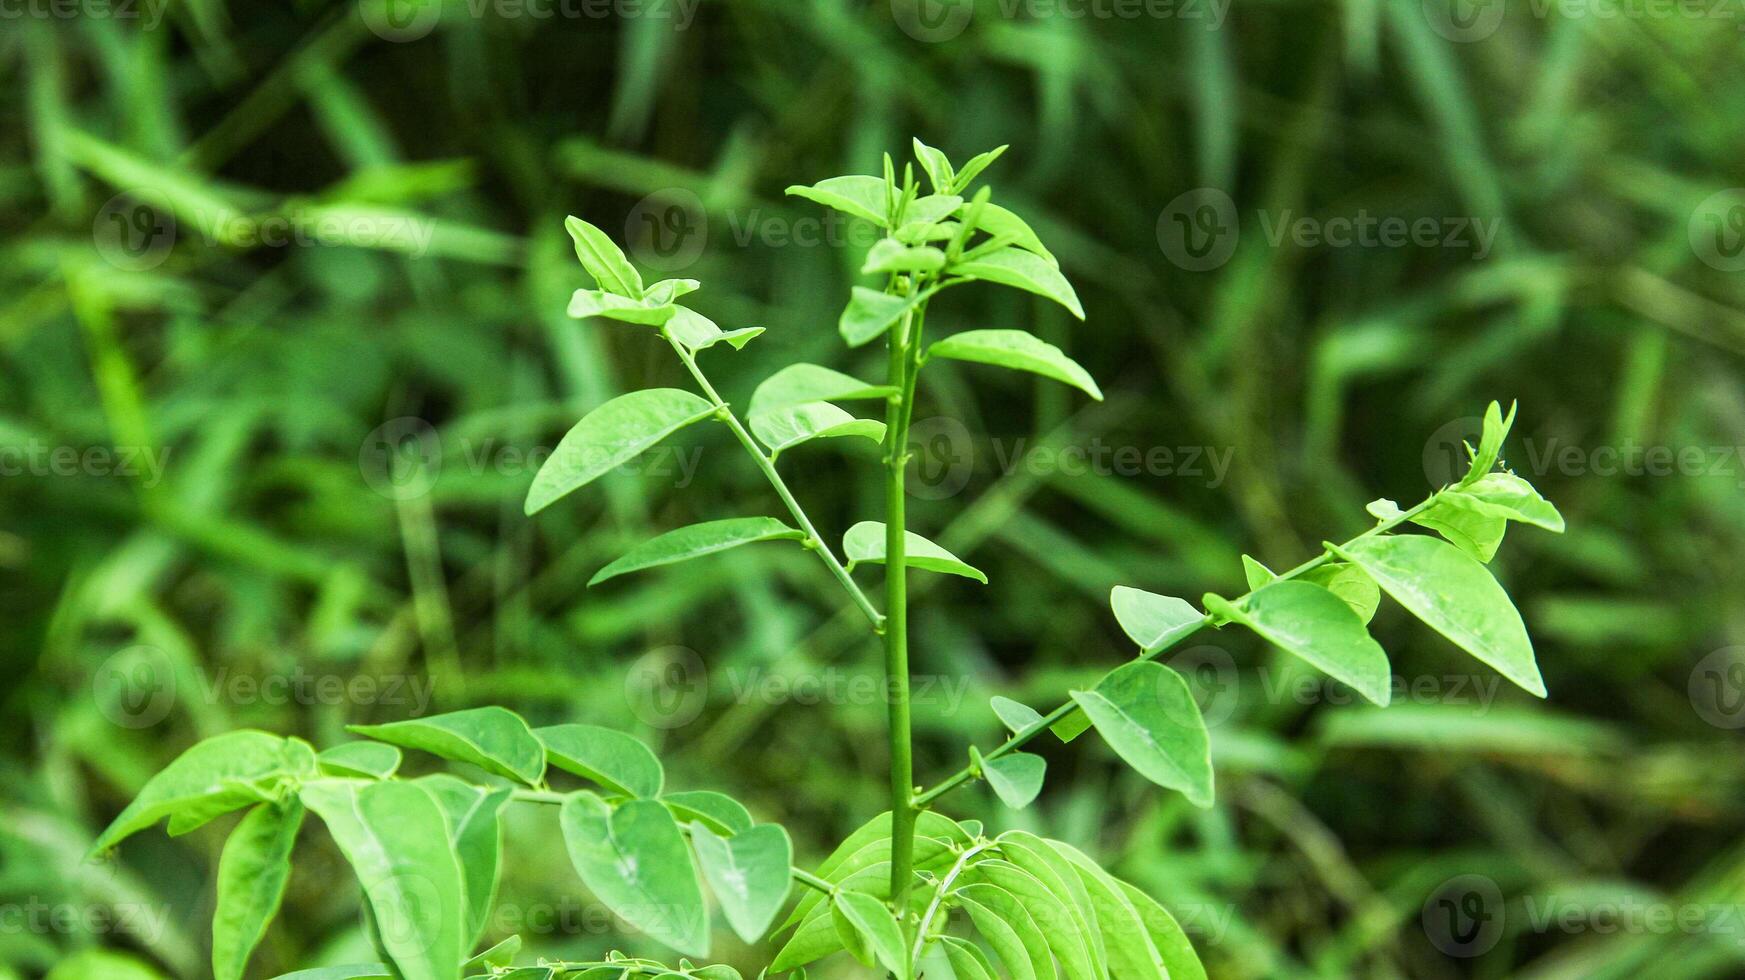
[890, 255]
[749, 872]
[668, 290]
[396, 839]
[1167, 937]
[1024, 270]
[474, 817]
[1125, 940]
[788, 427]
[975, 166]
[865, 543]
[931, 209]
[1508, 496]
[967, 962]
[1153, 621]
[501, 954]
[1349, 583]
[492, 738]
[1455, 595]
[1465, 525]
[870, 313]
[603, 259]
[1071, 725]
[635, 861]
[695, 541]
[722, 813]
[870, 844]
[1490, 443]
[611, 758]
[1040, 860]
[1015, 778]
[213, 777]
[252, 873]
[863, 197]
[1318, 626]
[874, 921]
[697, 332]
[350, 971]
[1009, 930]
[372, 760]
[1148, 716]
[585, 303]
[1019, 351]
[610, 436]
[1060, 927]
[1001, 223]
[1015, 715]
[935, 164]
[798, 384]
[1255, 573]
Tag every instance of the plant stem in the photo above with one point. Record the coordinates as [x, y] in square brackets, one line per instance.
[898, 376]
[814, 541]
[1048, 721]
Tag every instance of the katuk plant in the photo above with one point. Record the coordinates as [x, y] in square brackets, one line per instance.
[914, 891]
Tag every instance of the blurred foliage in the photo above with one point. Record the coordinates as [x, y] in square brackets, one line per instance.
[279, 557]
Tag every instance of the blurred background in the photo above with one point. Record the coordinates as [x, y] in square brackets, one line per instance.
[282, 335]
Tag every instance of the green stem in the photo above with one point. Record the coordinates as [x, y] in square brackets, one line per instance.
[898, 376]
[1048, 721]
[814, 541]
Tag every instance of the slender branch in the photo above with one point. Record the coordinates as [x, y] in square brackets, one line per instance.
[814, 541]
[939, 897]
[1018, 739]
[897, 616]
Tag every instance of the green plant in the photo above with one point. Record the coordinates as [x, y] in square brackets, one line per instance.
[905, 892]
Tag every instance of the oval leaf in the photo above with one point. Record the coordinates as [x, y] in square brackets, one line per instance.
[1148, 716]
[492, 738]
[1015, 715]
[695, 541]
[787, 427]
[634, 859]
[863, 197]
[610, 436]
[875, 923]
[1022, 270]
[603, 259]
[1153, 621]
[749, 872]
[371, 760]
[721, 813]
[865, 543]
[870, 313]
[1017, 350]
[475, 827]
[1318, 626]
[1016, 778]
[213, 777]
[798, 384]
[613, 759]
[252, 873]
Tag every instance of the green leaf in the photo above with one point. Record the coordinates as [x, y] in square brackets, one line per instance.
[634, 859]
[863, 197]
[1009, 929]
[1466, 525]
[1167, 937]
[396, 839]
[1038, 858]
[492, 738]
[372, 760]
[1001, 223]
[967, 962]
[889, 255]
[935, 164]
[613, 759]
[1508, 496]
[1153, 621]
[722, 813]
[610, 436]
[865, 544]
[788, 427]
[213, 777]
[931, 209]
[1490, 443]
[1255, 573]
[585, 303]
[474, 817]
[749, 872]
[1024, 270]
[350, 971]
[1148, 716]
[252, 873]
[1019, 351]
[1015, 778]
[696, 541]
[668, 290]
[975, 166]
[501, 954]
[874, 921]
[1015, 715]
[1455, 595]
[1125, 940]
[1060, 926]
[697, 332]
[870, 313]
[798, 384]
[603, 259]
[935, 837]
[1318, 626]
[1071, 725]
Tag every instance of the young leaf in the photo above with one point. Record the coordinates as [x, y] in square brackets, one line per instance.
[695, 541]
[1507, 495]
[1455, 595]
[613, 759]
[969, 171]
[865, 544]
[749, 872]
[1148, 716]
[1465, 524]
[967, 962]
[721, 813]
[492, 738]
[1153, 621]
[1349, 583]
[1015, 778]
[1024, 270]
[371, 760]
[935, 164]
[585, 303]
[213, 777]
[603, 259]
[697, 332]
[252, 873]
[889, 255]
[874, 921]
[863, 197]
[634, 859]
[475, 826]
[1490, 443]
[788, 427]
[868, 314]
[397, 841]
[931, 209]
[870, 844]
[1013, 714]
[501, 954]
[1318, 626]
[1255, 573]
[1009, 929]
[1017, 350]
[610, 436]
[1001, 223]
[798, 384]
